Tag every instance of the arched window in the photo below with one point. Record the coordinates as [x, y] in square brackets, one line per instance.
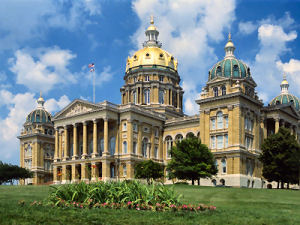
[214, 182]
[219, 120]
[178, 138]
[112, 145]
[216, 92]
[147, 96]
[222, 182]
[134, 97]
[219, 71]
[145, 147]
[224, 166]
[223, 90]
[161, 97]
[124, 146]
[235, 71]
[190, 135]
[169, 144]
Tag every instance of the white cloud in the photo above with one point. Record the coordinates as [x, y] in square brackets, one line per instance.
[52, 105]
[30, 19]
[44, 70]
[186, 30]
[247, 27]
[19, 106]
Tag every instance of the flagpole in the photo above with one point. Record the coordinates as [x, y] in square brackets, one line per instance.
[94, 86]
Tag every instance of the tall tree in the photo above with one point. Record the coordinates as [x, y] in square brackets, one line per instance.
[148, 170]
[281, 157]
[191, 160]
[9, 172]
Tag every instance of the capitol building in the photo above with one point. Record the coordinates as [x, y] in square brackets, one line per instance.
[88, 141]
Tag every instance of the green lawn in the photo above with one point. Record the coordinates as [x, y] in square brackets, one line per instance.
[234, 206]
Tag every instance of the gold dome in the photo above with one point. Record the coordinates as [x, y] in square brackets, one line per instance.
[150, 56]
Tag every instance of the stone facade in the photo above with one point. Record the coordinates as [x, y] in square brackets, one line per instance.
[103, 141]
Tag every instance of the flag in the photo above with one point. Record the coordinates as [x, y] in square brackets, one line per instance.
[91, 65]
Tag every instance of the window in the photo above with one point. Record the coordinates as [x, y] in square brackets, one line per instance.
[212, 124]
[145, 147]
[178, 138]
[124, 170]
[146, 78]
[112, 145]
[220, 143]
[101, 145]
[156, 152]
[226, 121]
[219, 71]
[134, 97]
[161, 97]
[156, 132]
[135, 127]
[248, 142]
[235, 71]
[147, 96]
[223, 90]
[134, 147]
[124, 126]
[219, 120]
[134, 79]
[112, 171]
[90, 149]
[224, 165]
[37, 118]
[216, 91]
[124, 146]
[213, 142]
[226, 140]
[161, 78]
[169, 144]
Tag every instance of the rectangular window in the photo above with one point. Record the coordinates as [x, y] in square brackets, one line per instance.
[134, 147]
[246, 123]
[213, 142]
[156, 152]
[124, 126]
[161, 78]
[147, 78]
[156, 132]
[220, 143]
[213, 124]
[124, 171]
[226, 140]
[135, 127]
[226, 121]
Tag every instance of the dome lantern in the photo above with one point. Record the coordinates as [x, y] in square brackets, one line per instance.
[40, 102]
[284, 85]
[229, 47]
[152, 35]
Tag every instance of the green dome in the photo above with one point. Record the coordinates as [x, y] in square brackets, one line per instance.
[229, 68]
[284, 99]
[39, 116]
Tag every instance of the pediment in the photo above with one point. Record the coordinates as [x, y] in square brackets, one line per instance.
[290, 110]
[76, 107]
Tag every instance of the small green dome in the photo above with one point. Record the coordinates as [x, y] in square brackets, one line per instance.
[229, 68]
[284, 99]
[39, 116]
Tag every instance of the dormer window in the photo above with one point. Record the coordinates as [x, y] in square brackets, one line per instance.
[235, 71]
[219, 71]
[215, 91]
[147, 54]
[277, 102]
[161, 55]
[135, 57]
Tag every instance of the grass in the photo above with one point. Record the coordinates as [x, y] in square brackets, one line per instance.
[234, 206]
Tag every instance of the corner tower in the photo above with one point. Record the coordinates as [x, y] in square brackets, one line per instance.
[151, 78]
[37, 145]
[230, 120]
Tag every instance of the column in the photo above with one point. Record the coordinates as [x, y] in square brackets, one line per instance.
[56, 145]
[95, 172]
[178, 100]
[151, 155]
[265, 129]
[95, 143]
[64, 174]
[167, 97]
[171, 97]
[118, 139]
[75, 174]
[60, 145]
[84, 172]
[84, 141]
[66, 147]
[128, 96]
[55, 177]
[129, 136]
[75, 141]
[276, 125]
[105, 137]
[105, 170]
[139, 142]
[161, 144]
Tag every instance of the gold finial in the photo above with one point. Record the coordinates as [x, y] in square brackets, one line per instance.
[229, 36]
[151, 19]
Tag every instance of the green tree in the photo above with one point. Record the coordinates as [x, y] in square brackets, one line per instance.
[9, 172]
[191, 160]
[148, 170]
[281, 157]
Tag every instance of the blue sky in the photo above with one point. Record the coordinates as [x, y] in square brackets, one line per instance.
[47, 45]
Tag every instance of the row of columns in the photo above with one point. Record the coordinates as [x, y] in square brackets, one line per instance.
[58, 144]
